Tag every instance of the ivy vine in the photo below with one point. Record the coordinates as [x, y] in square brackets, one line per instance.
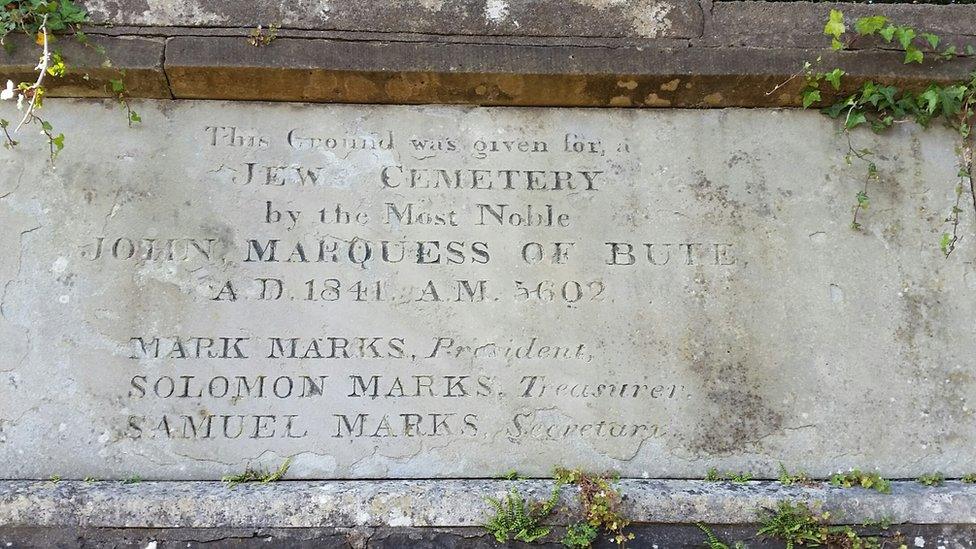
[880, 106]
[41, 21]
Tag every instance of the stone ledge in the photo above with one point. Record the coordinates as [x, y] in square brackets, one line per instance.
[140, 57]
[652, 536]
[522, 75]
[599, 18]
[445, 503]
[731, 54]
[800, 24]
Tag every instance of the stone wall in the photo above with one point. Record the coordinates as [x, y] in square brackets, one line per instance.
[661, 53]
[655, 292]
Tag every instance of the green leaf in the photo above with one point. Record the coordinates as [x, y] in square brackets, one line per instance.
[951, 99]
[866, 26]
[862, 200]
[888, 94]
[929, 99]
[855, 119]
[810, 97]
[913, 55]
[834, 77]
[836, 44]
[836, 109]
[56, 67]
[970, 50]
[932, 39]
[134, 117]
[905, 35]
[869, 92]
[117, 85]
[46, 126]
[945, 243]
[835, 25]
[58, 142]
[887, 33]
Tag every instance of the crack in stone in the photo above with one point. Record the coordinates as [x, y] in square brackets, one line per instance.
[246, 461]
[6, 293]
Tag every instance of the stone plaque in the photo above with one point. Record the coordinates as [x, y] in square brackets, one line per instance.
[455, 292]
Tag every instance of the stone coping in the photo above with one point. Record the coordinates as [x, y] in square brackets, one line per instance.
[586, 53]
[446, 503]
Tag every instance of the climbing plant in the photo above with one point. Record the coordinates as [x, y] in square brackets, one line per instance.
[42, 21]
[880, 107]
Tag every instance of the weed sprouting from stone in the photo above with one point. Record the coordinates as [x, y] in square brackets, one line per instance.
[870, 481]
[932, 479]
[581, 534]
[796, 524]
[518, 519]
[714, 475]
[600, 501]
[253, 475]
[712, 541]
[789, 479]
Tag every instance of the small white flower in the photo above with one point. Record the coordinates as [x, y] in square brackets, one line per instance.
[8, 92]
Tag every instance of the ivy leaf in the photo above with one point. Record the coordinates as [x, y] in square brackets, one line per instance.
[970, 50]
[951, 99]
[932, 39]
[930, 98]
[905, 35]
[835, 25]
[836, 44]
[834, 110]
[834, 77]
[913, 55]
[72, 13]
[58, 142]
[810, 96]
[134, 117]
[46, 126]
[888, 94]
[869, 93]
[945, 243]
[855, 120]
[862, 199]
[866, 26]
[117, 85]
[887, 33]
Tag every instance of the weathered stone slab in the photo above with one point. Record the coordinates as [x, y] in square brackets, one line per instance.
[455, 292]
[451, 503]
[343, 71]
[140, 58]
[578, 18]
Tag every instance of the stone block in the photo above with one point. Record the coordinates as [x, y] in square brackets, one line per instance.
[546, 18]
[423, 292]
